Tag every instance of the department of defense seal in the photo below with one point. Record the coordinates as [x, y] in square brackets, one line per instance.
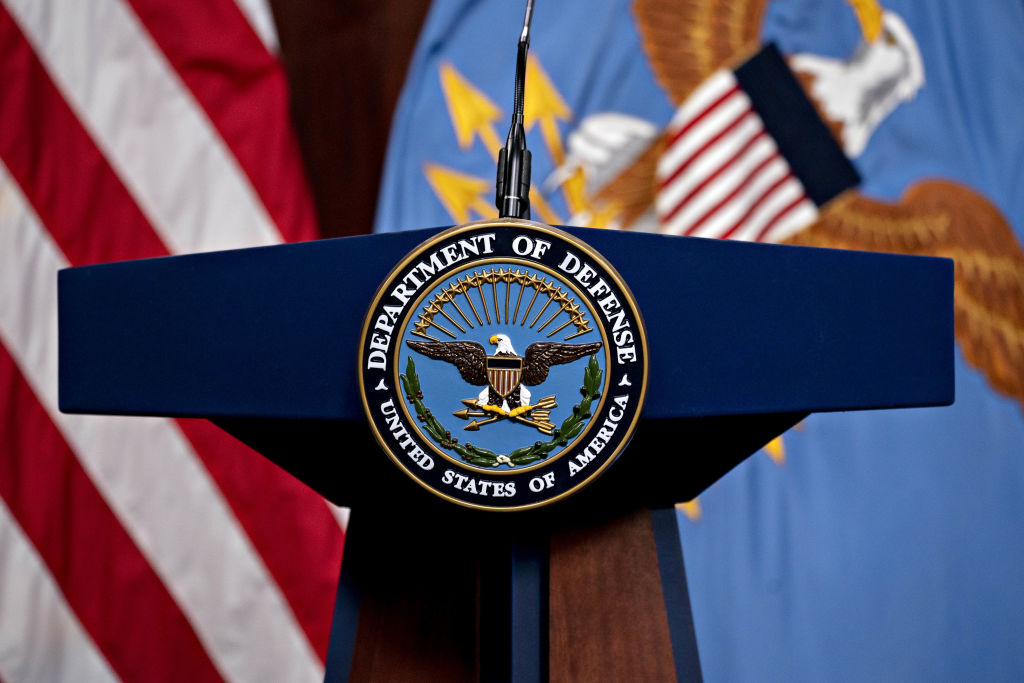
[503, 364]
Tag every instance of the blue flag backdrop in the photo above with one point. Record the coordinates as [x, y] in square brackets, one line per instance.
[862, 546]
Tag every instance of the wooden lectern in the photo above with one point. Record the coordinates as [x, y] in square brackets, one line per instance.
[744, 340]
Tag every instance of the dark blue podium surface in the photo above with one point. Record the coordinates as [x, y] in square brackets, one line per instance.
[744, 341]
[734, 328]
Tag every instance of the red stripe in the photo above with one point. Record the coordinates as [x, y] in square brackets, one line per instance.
[703, 148]
[75, 193]
[299, 539]
[778, 216]
[740, 186]
[714, 174]
[703, 113]
[92, 217]
[242, 88]
[753, 207]
[108, 583]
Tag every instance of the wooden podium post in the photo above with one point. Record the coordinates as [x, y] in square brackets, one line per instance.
[744, 341]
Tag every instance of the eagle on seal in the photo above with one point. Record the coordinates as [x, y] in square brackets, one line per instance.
[471, 360]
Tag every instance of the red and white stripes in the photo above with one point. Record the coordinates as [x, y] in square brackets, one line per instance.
[721, 174]
[144, 548]
[504, 381]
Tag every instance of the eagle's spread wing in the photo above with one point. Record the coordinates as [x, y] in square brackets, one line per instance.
[469, 357]
[688, 40]
[542, 355]
[938, 218]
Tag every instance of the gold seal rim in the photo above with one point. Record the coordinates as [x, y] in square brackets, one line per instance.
[584, 248]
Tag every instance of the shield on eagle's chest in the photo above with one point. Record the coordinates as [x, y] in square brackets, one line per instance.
[504, 373]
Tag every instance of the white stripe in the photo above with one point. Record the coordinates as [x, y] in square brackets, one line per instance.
[341, 514]
[707, 92]
[798, 218]
[733, 210]
[713, 159]
[262, 21]
[726, 183]
[148, 125]
[786, 193]
[41, 639]
[711, 125]
[149, 475]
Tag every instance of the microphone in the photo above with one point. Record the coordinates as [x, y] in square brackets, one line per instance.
[512, 195]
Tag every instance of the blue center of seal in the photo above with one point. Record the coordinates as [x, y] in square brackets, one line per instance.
[530, 324]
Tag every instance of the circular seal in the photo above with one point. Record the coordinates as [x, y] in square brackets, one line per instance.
[503, 364]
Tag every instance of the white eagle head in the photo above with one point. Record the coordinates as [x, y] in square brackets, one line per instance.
[504, 345]
[861, 91]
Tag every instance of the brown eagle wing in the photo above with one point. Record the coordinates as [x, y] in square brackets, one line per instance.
[632, 191]
[941, 218]
[688, 40]
[469, 357]
[542, 355]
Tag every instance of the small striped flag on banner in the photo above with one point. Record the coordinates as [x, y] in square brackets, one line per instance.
[747, 157]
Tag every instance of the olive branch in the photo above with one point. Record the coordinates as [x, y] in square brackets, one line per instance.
[570, 428]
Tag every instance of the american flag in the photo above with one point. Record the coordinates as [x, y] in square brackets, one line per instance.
[144, 548]
[721, 174]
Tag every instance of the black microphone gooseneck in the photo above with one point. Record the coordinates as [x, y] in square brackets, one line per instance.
[513, 185]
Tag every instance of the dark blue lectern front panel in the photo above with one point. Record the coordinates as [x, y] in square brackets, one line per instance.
[734, 328]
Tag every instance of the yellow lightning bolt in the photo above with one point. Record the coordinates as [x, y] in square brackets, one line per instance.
[543, 105]
[776, 450]
[691, 509]
[460, 193]
[473, 115]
